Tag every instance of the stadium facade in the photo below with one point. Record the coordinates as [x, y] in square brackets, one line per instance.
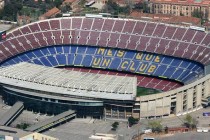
[161, 56]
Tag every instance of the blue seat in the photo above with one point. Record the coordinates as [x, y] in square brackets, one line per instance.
[167, 60]
[52, 50]
[129, 55]
[169, 72]
[134, 64]
[87, 60]
[78, 59]
[6, 64]
[66, 49]
[124, 65]
[96, 61]
[73, 49]
[37, 53]
[191, 76]
[175, 62]
[105, 62]
[24, 57]
[52, 60]
[17, 60]
[115, 63]
[177, 73]
[45, 61]
[59, 49]
[10, 62]
[91, 50]
[184, 64]
[160, 70]
[81, 50]
[184, 74]
[61, 58]
[70, 59]
[45, 51]
[192, 65]
[30, 55]
[109, 52]
[36, 61]
[195, 68]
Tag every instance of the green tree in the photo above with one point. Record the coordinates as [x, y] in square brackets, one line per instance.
[166, 129]
[48, 1]
[112, 4]
[22, 125]
[138, 6]
[190, 122]
[57, 3]
[146, 9]
[39, 1]
[43, 8]
[197, 13]
[124, 10]
[11, 9]
[82, 2]
[66, 8]
[132, 121]
[115, 126]
[156, 126]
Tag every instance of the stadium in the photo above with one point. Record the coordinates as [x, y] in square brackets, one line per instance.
[123, 55]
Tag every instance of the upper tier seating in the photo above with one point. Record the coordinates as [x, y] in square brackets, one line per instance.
[126, 34]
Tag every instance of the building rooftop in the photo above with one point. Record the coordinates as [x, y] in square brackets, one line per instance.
[63, 81]
[51, 12]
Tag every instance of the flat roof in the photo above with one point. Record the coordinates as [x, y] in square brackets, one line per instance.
[68, 82]
[51, 120]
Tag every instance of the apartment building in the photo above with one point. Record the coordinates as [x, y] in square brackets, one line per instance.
[180, 7]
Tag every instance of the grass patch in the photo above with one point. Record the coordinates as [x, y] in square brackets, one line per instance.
[146, 91]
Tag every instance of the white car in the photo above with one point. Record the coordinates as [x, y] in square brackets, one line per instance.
[199, 130]
[149, 138]
[205, 130]
[202, 130]
[147, 131]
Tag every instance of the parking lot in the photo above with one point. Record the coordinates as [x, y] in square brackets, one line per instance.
[82, 129]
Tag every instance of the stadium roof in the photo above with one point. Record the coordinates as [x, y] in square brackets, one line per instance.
[63, 81]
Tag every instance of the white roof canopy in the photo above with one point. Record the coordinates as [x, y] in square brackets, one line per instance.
[47, 78]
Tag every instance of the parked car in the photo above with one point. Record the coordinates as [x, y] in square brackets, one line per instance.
[149, 138]
[201, 129]
[147, 130]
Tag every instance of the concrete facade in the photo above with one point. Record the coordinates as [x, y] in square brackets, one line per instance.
[180, 101]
